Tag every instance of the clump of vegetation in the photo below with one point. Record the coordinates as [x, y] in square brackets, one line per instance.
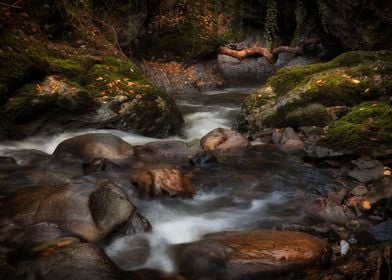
[270, 23]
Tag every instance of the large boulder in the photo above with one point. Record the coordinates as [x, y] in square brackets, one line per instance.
[90, 211]
[86, 147]
[251, 255]
[162, 181]
[223, 139]
[320, 94]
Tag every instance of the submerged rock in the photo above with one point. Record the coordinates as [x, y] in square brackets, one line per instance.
[251, 255]
[224, 140]
[164, 181]
[203, 159]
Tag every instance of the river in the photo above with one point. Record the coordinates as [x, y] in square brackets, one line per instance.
[262, 187]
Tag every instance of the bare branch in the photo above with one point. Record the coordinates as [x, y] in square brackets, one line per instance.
[253, 51]
[263, 52]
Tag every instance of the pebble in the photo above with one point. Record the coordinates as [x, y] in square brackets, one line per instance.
[344, 247]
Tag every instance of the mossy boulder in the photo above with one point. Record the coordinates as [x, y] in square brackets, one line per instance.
[348, 80]
[141, 107]
[312, 114]
[77, 79]
[54, 92]
[366, 128]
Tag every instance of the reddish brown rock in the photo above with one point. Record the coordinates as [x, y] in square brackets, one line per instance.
[223, 139]
[251, 255]
[164, 181]
[354, 201]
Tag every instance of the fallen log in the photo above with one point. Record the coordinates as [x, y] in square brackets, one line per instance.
[271, 56]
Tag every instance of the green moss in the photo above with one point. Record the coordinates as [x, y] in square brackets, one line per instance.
[114, 76]
[67, 67]
[367, 128]
[20, 60]
[313, 114]
[369, 62]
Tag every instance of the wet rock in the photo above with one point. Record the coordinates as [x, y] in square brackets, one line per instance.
[321, 152]
[167, 148]
[75, 261]
[354, 201]
[164, 181]
[251, 255]
[366, 170]
[90, 211]
[336, 198]
[31, 236]
[7, 161]
[359, 190]
[224, 140]
[95, 145]
[28, 157]
[99, 165]
[130, 251]
[152, 115]
[382, 232]
[336, 214]
[288, 139]
[45, 173]
[203, 159]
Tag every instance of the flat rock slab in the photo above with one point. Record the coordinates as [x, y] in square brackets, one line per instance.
[251, 255]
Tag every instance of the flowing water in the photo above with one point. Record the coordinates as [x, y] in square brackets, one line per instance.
[258, 188]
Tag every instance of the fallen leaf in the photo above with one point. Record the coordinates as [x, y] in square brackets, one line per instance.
[366, 204]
